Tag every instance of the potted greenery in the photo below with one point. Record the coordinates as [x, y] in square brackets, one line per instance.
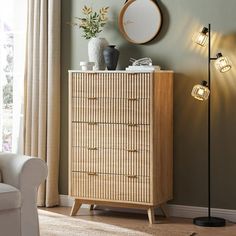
[92, 24]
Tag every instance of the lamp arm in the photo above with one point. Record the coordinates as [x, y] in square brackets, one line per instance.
[213, 58]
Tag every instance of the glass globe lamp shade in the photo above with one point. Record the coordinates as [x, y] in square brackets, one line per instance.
[223, 64]
[202, 37]
[201, 91]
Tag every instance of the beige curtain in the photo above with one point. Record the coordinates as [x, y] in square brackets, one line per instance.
[42, 92]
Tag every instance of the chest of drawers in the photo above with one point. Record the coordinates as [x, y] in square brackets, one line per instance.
[120, 139]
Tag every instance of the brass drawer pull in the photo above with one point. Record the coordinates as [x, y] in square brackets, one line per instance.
[132, 150]
[92, 123]
[92, 173]
[132, 99]
[92, 149]
[92, 98]
[132, 125]
[132, 176]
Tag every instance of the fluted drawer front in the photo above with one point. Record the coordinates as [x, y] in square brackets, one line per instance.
[92, 134]
[111, 161]
[112, 85]
[107, 110]
[110, 187]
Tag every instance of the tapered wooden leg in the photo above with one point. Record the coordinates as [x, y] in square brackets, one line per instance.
[76, 206]
[151, 215]
[91, 207]
[164, 210]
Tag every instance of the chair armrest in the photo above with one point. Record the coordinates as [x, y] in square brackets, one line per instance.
[22, 171]
[25, 173]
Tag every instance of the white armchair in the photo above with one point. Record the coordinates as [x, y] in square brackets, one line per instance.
[21, 177]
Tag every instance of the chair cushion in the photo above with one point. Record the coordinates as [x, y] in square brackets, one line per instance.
[10, 197]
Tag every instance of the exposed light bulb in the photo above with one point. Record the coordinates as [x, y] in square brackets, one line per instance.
[201, 91]
[223, 64]
[202, 37]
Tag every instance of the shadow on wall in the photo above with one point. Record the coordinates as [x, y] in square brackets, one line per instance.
[128, 50]
[224, 84]
[65, 65]
[223, 94]
[187, 109]
[190, 127]
[112, 26]
[228, 41]
[165, 23]
[190, 133]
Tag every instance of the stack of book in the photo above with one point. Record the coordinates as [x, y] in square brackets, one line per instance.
[142, 68]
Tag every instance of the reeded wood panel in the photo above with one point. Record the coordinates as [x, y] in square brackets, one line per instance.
[110, 187]
[118, 136]
[112, 161]
[111, 85]
[111, 110]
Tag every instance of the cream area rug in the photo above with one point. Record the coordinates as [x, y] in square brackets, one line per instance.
[53, 224]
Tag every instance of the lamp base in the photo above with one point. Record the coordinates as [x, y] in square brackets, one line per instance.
[209, 221]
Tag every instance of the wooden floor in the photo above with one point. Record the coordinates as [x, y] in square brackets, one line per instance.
[140, 223]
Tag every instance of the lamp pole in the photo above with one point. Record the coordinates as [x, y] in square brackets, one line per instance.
[209, 221]
[209, 122]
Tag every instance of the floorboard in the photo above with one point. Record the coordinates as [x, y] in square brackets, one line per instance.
[140, 221]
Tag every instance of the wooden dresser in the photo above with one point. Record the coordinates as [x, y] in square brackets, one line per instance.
[121, 139]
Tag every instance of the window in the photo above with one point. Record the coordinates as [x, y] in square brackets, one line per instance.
[12, 54]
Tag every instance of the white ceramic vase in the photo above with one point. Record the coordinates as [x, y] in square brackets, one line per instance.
[95, 52]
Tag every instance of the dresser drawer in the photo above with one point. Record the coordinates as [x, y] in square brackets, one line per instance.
[108, 110]
[114, 136]
[111, 161]
[92, 185]
[111, 85]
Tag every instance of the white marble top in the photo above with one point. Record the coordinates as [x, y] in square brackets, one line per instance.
[119, 71]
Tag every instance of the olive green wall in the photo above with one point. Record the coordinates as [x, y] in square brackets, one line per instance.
[173, 49]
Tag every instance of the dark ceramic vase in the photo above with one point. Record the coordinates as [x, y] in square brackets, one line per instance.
[111, 56]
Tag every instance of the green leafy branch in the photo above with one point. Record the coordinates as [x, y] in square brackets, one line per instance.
[92, 22]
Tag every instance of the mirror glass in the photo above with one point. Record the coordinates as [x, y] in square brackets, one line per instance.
[140, 21]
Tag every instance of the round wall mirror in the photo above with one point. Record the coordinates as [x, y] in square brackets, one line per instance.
[140, 20]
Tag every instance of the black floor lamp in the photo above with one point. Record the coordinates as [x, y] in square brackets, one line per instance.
[202, 92]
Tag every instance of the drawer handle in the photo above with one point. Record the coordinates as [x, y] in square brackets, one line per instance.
[92, 173]
[92, 149]
[132, 176]
[132, 125]
[92, 123]
[132, 99]
[132, 150]
[92, 98]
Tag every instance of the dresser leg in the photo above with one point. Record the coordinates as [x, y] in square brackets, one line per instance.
[91, 207]
[151, 215]
[164, 210]
[76, 206]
